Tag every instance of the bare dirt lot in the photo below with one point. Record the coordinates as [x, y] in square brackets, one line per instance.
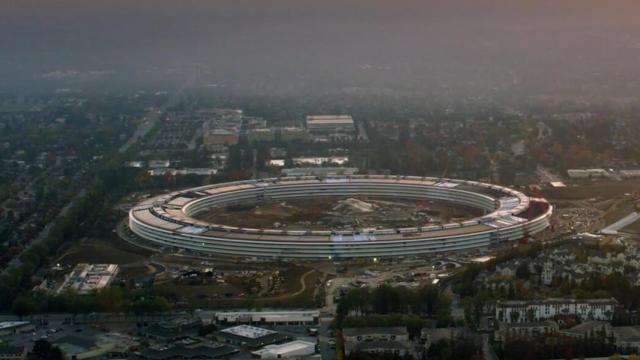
[339, 213]
[603, 189]
[590, 206]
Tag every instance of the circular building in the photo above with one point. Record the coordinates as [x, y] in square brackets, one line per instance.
[168, 220]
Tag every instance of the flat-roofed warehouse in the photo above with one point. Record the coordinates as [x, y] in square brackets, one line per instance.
[329, 124]
[250, 336]
[291, 317]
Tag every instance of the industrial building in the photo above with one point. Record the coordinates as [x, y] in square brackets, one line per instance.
[86, 278]
[329, 124]
[293, 317]
[15, 327]
[293, 349]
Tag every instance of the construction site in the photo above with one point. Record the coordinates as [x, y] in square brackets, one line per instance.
[339, 213]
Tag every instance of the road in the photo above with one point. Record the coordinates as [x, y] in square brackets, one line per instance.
[151, 120]
[332, 286]
[142, 130]
[487, 350]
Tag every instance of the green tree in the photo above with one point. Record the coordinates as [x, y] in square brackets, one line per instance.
[23, 306]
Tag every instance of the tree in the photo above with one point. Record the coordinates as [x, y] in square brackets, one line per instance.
[109, 300]
[207, 329]
[522, 272]
[56, 354]
[43, 350]
[515, 316]
[23, 306]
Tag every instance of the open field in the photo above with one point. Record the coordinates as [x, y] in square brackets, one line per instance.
[101, 251]
[604, 189]
[299, 288]
[133, 261]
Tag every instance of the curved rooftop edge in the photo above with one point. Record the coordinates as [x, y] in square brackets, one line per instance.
[167, 220]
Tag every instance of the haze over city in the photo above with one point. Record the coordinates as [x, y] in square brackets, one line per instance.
[487, 48]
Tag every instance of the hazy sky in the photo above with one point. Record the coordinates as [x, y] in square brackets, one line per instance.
[290, 39]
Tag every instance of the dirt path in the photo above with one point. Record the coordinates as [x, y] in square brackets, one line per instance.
[303, 287]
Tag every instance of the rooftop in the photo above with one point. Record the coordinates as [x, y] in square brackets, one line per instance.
[396, 330]
[372, 345]
[11, 324]
[285, 348]
[249, 332]
[329, 119]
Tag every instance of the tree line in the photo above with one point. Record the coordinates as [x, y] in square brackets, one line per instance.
[426, 301]
[113, 299]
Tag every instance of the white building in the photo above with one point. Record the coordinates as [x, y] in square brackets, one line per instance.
[15, 327]
[630, 173]
[297, 348]
[320, 160]
[302, 317]
[249, 336]
[528, 330]
[536, 310]
[328, 124]
[586, 173]
[86, 278]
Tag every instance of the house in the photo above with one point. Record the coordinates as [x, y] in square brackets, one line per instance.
[547, 273]
[536, 310]
[527, 330]
[589, 329]
[13, 352]
[171, 331]
[627, 338]
[15, 327]
[396, 348]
